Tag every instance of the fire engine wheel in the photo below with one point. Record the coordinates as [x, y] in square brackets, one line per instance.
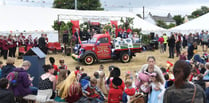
[89, 59]
[125, 58]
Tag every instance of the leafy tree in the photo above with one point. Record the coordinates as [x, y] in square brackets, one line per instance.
[64, 28]
[126, 23]
[57, 26]
[171, 25]
[164, 25]
[179, 20]
[81, 4]
[199, 12]
[161, 24]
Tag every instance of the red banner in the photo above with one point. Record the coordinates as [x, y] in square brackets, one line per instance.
[115, 23]
[75, 25]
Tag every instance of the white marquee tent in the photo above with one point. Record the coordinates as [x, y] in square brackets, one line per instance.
[196, 25]
[34, 18]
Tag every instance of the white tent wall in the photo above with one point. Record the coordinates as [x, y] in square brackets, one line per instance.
[195, 25]
[36, 19]
[147, 27]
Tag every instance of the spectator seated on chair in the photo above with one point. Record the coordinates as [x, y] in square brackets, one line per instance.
[47, 80]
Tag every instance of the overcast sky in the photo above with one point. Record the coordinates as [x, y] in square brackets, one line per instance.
[156, 7]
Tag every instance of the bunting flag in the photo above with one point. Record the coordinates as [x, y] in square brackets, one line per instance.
[115, 23]
[75, 25]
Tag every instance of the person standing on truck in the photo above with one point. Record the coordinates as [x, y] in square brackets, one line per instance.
[88, 35]
[76, 34]
[82, 34]
[92, 32]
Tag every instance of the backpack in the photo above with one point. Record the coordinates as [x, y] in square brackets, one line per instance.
[12, 78]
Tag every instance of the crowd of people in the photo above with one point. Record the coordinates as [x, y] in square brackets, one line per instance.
[86, 35]
[177, 41]
[9, 44]
[187, 82]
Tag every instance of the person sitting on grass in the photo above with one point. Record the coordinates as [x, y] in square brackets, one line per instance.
[48, 80]
[101, 83]
[92, 92]
[115, 93]
[6, 96]
[62, 64]
[24, 82]
[52, 61]
[69, 90]
[9, 67]
[101, 69]
[1, 65]
[129, 90]
[206, 74]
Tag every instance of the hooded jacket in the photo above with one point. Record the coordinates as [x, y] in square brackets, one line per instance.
[6, 96]
[23, 83]
[6, 70]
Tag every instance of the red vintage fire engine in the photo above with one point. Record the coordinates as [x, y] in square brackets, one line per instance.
[101, 47]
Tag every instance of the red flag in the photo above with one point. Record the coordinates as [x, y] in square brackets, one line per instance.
[75, 25]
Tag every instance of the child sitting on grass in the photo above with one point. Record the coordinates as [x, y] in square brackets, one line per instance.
[115, 94]
[62, 64]
[91, 91]
[206, 74]
[129, 90]
[6, 95]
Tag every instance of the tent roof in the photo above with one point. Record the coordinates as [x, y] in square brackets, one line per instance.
[198, 24]
[42, 19]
